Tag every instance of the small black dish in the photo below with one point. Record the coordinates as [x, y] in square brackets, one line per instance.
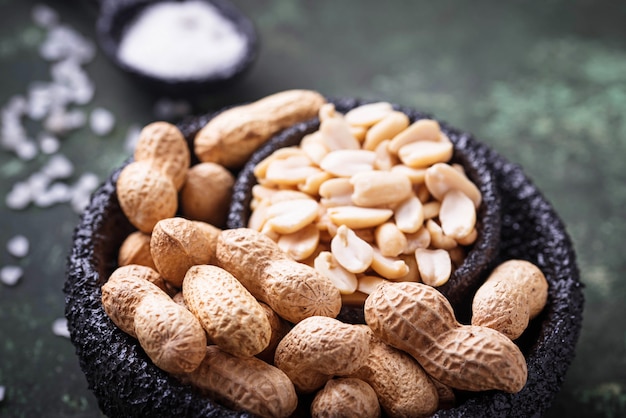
[114, 18]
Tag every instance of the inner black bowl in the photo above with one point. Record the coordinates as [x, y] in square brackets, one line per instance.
[467, 152]
[114, 18]
[127, 384]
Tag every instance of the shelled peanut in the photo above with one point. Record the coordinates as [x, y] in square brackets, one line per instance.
[369, 196]
[515, 292]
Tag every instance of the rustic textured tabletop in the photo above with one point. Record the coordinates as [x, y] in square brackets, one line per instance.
[543, 84]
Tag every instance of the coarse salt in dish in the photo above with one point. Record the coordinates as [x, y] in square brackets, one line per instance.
[181, 40]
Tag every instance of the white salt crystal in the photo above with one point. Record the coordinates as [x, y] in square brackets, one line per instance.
[101, 121]
[79, 202]
[2, 392]
[26, 149]
[39, 100]
[18, 246]
[87, 182]
[59, 328]
[60, 192]
[84, 92]
[10, 275]
[64, 42]
[58, 167]
[48, 143]
[19, 197]
[82, 190]
[182, 40]
[44, 16]
[57, 193]
[38, 182]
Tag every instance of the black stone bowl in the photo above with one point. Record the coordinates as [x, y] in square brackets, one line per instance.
[127, 384]
[115, 16]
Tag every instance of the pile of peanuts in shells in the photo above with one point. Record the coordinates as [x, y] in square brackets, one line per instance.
[366, 211]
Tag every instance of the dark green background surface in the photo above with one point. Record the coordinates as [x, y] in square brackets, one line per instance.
[544, 83]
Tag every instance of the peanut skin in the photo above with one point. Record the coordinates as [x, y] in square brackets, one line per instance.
[279, 328]
[318, 348]
[293, 290]
[163, 146]
[136, 250]
[169, 334]
[125, 289]
[245, 383]
[206, 194]
[390, 372]
[513, 294]
[344, 398]
[176, 245]
[233, 135]
[146, 195]
[232, 318]
[419, 320]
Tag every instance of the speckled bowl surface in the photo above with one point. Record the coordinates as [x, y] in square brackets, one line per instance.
[127, 384]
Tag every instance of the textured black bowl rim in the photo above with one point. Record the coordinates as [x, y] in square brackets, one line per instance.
[126, 383]
[115, 15]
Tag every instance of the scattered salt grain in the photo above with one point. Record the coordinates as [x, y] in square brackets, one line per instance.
[18, 246]
[82, 190]
[19, 196]
[48, 143]
[26, 150]
[64, 42]
[58, 167]
[57, 193]
[10, 275]
[182, 40]
[101, 121]
[2, 392]
[44, 16]
[60, 121]
[59, 328]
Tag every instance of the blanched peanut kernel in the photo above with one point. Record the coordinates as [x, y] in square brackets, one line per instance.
[434, 266]
[441, 178]
[377, 188]
[368, 114]
[337, 135]
[367, 284]
[422, 154]
[421, 130]
[336, 192]
[457, 214]
[390, 126]
[409, 215]
[389, 239]
[290, 216]
[301, 244]
[389, 267]
[354, 254]
[356, 218]
[346, 163]
[343, 280]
